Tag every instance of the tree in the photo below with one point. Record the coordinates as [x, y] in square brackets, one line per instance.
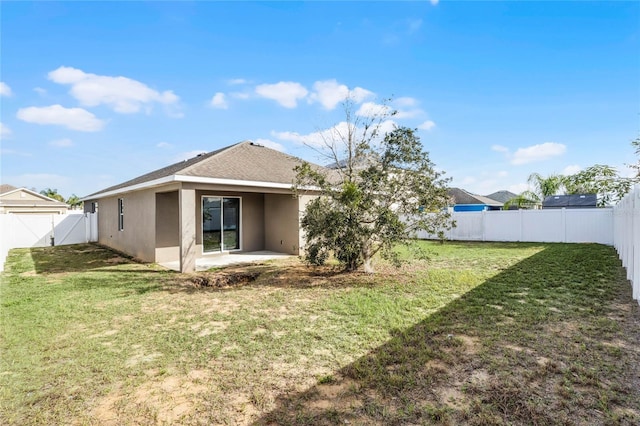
[636, 144]
[382, 189]
[543, 187]
[52, 193]
[74, 201]
[599, 179]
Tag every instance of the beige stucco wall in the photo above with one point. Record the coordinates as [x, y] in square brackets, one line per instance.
[303, 200]
[281, 223]
[20, 195]
[167, 227]
[152, 221]
[138, 236]
[251, 222]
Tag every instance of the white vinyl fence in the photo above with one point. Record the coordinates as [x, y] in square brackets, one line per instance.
[550, 225]
[626, 236]
[41, 230]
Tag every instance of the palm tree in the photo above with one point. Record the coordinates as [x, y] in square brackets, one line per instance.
[74, 201]
[543, 187]
[52, 193]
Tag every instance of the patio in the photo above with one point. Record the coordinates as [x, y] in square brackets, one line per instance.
[228, 259]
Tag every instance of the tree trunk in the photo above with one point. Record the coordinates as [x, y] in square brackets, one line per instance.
[366, 258]
[368, 267]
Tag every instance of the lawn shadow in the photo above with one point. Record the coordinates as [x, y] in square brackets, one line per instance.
[538, 343]
[84, 257]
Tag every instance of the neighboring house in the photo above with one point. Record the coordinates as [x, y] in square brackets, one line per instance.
[463, 201]
[238, 198]
[25, 201]
[574, 201]
[502, 196]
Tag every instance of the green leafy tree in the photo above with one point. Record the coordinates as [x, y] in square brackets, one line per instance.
[599, 179]
[52, 193]
[636, 145]
[74, 201]
[543, 187]
[383, 189]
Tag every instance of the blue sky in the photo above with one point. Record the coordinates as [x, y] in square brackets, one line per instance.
[97, 93]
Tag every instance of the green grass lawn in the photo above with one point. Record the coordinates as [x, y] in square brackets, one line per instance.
[481, 333]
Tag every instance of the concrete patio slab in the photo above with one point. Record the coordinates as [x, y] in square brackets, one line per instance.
[228, 259]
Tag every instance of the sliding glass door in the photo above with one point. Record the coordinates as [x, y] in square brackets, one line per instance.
[220, 224]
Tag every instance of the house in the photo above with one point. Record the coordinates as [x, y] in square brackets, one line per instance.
[573, 201]
[26, 201]
[238, 198]
[463, 201]
[502, 196]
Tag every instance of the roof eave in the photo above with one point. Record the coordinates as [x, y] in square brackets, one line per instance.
[193, 179]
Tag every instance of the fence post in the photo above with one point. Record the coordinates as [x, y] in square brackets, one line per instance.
[563, 221]
[484, 225]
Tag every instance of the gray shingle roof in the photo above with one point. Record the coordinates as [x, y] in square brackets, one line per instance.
[570, 201]
[460, 196]
[244, 161]
[502, 196]
[6, 188]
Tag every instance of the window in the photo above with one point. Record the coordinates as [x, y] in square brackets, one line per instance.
[120, 214]
[220, 224]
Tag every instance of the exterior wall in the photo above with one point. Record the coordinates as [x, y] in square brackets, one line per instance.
[24, 202]
[252, 210]
[167, 227]
[282, 223]
[21, 196]
[138, 236]
[303, 200]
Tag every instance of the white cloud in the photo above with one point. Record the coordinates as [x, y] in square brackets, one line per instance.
[72, 118]
[316, 139]
[499, 148]
[359, 94]
[270, 144]
[329, 93]
[538, 152]
[240, 95]
[332, 135]
[123, 94]
[412, 113]
[571, 170]
[4, 130]
[237, 81]
[286, 93]
[405, 102]
[61, 143]
[40, 91]
[435, 2]
[518, 188]
[163, 145]
[219, 101]
[187, 155]
[427, 125]
[502, 173]
[5, 90]
[372, 109]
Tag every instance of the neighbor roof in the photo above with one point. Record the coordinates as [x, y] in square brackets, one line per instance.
[9, 192]
[4, 188]
[460, 196]
[573, 200]
[245, 161]
[502, 196]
